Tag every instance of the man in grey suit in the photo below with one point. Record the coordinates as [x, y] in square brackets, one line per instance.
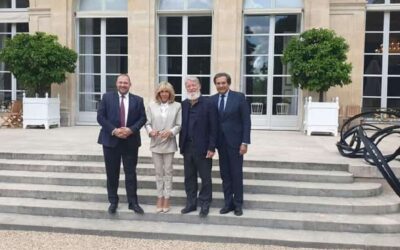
[233, 138]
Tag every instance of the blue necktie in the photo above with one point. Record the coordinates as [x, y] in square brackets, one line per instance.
[221, 104]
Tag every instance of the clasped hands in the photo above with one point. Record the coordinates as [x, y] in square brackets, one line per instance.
[122, 132]
[163, 134]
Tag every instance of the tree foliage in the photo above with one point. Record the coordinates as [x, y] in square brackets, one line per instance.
[38, 60]
[317, 60]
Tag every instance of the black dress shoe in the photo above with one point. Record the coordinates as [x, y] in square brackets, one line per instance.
[226, 210]
[238, 211]
[112, 208]
[188, 209]
[136, 208]
[204, 212]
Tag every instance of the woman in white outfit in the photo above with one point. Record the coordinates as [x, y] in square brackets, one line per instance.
[163, 124]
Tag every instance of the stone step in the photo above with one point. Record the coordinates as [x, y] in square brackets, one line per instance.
[364, 205]
[133, 227]
[389, 223]
[260, 173]
[177, 160]
[355, 189]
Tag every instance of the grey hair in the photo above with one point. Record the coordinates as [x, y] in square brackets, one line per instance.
[193, 79]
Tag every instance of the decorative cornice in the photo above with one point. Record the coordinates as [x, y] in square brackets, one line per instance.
[348, 7]
[39, 12]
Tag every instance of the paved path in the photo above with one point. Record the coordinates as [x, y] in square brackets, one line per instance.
[11, 240]
[289, 146]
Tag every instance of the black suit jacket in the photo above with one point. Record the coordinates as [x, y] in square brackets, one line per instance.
[206, 127]
[108, 118]
[234, 121]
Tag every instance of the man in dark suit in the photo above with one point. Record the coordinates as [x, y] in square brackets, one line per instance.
[121, 115]
[197, 144]
[233, 138]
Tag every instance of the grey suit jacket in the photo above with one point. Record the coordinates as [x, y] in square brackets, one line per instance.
[156, 122]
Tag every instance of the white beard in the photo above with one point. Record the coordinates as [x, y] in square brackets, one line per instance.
[194, 95]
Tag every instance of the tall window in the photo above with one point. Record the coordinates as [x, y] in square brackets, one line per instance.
[9, 88]
[184, 43]
[266, 80]
[381, 87]
[103, 51]
[14, 4]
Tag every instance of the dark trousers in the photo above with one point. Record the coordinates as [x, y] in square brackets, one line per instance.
[112, 158]
[197, 164]
[231, 170]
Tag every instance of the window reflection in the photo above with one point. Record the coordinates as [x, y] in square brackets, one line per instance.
[372, 86]
[256, 24]
[102, 5]
[372, 64]
[374, 21]
[287, 24]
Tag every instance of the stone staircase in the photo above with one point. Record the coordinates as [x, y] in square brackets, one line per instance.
[290, 204]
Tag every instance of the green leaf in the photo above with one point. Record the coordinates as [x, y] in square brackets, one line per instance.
[38, 60]
[317, 60]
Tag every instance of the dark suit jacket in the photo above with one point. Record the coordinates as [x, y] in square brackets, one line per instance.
[234, 122]
[108, 118]
[205, 134]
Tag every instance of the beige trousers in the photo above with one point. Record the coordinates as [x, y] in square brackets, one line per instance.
[163, 167]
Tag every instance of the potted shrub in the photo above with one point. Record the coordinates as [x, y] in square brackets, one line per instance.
[38, 60]
[317, 62]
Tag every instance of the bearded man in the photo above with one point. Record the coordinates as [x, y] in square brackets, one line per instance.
[197, 142]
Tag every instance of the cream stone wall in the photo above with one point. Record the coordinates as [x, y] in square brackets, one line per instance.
[316, 14]
[347, 18]
[227, 40]
[56, 17]
[142, 60]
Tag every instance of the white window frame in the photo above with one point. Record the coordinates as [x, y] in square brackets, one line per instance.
[386, 8]
[184, 55]
[268, 120]
[89, 117]
[14, 89]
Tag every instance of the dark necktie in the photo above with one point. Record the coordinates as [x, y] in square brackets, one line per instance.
[122, 112]
[221, 104]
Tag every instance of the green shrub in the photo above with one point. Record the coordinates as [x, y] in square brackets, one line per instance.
[38, 60]
[317, 60]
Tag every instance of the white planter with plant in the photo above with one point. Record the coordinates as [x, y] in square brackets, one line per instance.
[321, 116]
[41, 111]
[317, 62]
[38, 60]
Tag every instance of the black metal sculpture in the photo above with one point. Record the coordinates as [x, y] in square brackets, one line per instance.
[361, 135]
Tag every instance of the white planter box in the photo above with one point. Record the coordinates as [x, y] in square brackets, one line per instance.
[321, 116]
[41, 111]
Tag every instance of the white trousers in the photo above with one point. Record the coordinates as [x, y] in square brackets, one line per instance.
[163, 167]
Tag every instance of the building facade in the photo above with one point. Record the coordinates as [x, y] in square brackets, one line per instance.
[155, 40]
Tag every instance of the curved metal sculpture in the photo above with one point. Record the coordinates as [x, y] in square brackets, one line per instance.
[362, 140]
[350, 144]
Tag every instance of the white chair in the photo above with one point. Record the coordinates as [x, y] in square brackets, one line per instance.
[257, 108]
[282, 108]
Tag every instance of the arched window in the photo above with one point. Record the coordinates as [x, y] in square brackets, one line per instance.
[103, 5]
[271, 4]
